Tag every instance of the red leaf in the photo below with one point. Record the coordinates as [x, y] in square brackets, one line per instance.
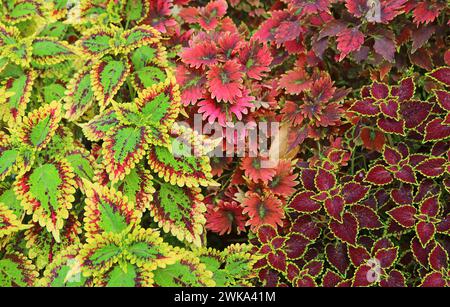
[403, 195]
[302, 202]
[435, 130]
[296, 81]
[335, 207]
[305, 281]
[353, 192]
[421, 36]
[349, 40]
[434, 279]
[430, 206]
[394, 279]
[367, 218]
[443, 98]
[425, 232]
[306, 226]
[421, 253]
[390, 125]
[266, 233]
[295, 246]
[358, 255]
[346, 231]
[324, 180]
[337, 256]
[426, 12]
[432, 167]
[390, 108]
[438, 258]
[405, 90]
[364, 276]
[386, 256]
[404, 215]
[442, 74]
[406, 174]
[379, 175]
[277, 260]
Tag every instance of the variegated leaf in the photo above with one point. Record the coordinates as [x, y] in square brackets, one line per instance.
[9, 223]
[107, 211]
[46, 192]
[179, 210]
[96, 129]
[79, 96]
[123, 148]
[139, 36]
[37, 128]
[96, 41]
[107, 77]
[16, 270]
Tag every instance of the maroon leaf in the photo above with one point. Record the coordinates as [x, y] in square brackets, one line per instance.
[390, 108]
[266, 233]
[442, 74]
[414, 112]
[324, 180]
[346, 231]
[386, 256]
[403, 195]
[295, 246]
[353, 192]
[306, 226]
[391, 156]
[394, 279]
[404, 215]
[305, 281]
[277, 260]
[302, 202]
[421, 36]
[390, 125]
[379, 90]
[425, 232]
[432, 167]
[421, 253]
[435, 130]
[330, 279]
[337, 256]
[335, 207]
[379, 175]
[438, 258]
[406, 174]
[358, 255]
[364, 276]
[385, 46]
[365, 107]
[443, 98]
[367, 218]
[430, 206]
[434, 279]
[405, 90]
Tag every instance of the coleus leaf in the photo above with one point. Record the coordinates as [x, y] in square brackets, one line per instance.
[159, 105]
[82, 163]
[414, 112]
[137, 186]
[96, 128]
[432, 167]
[438, 258]
[123, 148]
[107, 77]
[64, 270]
[148, 76]
[187, 271]
[425, 232]
[184, 162]
[349, 40]
[20, 88]
[79, 96]
[136, 10]
[346, 231]
[337, 256]
[366, 216]
[139, 36]
[324, 180]
[390, 125]
[395, 278]
[50, 51]
[434, 279]
[379, 175]
[47, 192]
[23, 10]
[125, 275]
[179, 210]
[441, 74]
[436, 130]
[334, 206]
[96, 41]
[404, 215]
[303, 202]
[37, 128]
[9, 223]
[353, 192]
[16, 270]
[107, 211]
[10, 160]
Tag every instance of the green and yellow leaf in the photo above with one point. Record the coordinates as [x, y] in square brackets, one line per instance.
[9, 223]
[16, 270]
[79, 96]
[96, 129]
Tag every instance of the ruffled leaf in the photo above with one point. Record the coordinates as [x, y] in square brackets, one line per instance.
[79, 96]
[17, 271]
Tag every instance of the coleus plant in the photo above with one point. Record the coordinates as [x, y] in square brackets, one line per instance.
[99, 185]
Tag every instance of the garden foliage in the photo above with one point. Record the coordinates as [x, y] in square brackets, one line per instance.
[94, 191]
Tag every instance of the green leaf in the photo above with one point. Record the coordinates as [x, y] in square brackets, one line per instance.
[49, 51]
[20, 87]
[16, 271]
[107, 77]
[79, 96]
[142, 57]
[136, 10]
[9, 158]
[97, 127]
[120, 278]
[96, 41]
